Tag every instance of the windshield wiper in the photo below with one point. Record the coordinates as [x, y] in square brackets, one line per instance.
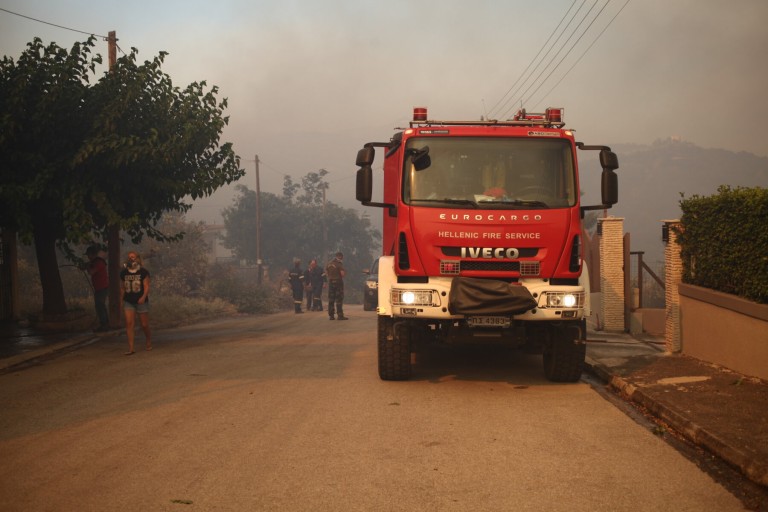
[516, 202]
[468, 202]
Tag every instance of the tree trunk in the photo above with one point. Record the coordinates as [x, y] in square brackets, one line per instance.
[9, 275]
[48, 266]
[115, 291]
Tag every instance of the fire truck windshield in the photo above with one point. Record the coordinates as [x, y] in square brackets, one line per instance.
[490, 173]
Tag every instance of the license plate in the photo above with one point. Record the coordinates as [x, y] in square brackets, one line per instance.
[488, 321]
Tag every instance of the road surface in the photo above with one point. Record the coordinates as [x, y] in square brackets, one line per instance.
[286, 412]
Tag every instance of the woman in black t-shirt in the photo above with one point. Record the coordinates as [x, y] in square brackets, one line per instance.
[135, 298]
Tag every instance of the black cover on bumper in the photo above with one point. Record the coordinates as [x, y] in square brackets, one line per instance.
[471, 296]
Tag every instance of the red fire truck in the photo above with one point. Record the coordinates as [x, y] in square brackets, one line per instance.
[482, 238]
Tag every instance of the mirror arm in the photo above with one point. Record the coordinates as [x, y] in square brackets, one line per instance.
[585, 147]
[392, 208]
[596, 207]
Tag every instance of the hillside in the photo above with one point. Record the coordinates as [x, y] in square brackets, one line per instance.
[652, 179]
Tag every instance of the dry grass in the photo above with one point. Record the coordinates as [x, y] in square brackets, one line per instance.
[170, 311]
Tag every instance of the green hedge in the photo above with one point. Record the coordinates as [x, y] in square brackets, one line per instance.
[724, 242]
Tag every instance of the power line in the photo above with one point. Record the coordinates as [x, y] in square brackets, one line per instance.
[571, 48]
[549, 50]
[582, 55]
[490, 113]
[277, 172]
[52, 24]
[537, 83]
[105, 38]
[522, 98]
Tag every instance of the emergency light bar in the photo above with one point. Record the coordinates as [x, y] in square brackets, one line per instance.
[551, 115]
[554, 115]
[551, 118]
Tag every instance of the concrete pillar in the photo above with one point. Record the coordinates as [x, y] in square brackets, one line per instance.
[612, 272]
[673, 275]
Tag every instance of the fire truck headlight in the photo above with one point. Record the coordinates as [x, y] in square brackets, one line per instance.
[564, 300]
[414, 298]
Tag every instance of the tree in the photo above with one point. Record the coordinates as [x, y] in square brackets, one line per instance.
[43, 121]
[294, 225]
[313, 185]
[240, 223]
[152, 145]
[86, 158]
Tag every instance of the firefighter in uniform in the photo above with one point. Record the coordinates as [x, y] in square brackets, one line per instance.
[296, 279]
[314, 280]
[335, 273]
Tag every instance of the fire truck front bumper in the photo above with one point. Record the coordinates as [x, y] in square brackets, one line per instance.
[434, 300]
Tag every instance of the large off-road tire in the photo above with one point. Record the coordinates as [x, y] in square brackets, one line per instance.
[394, 349]
[368, 305]
[564, 356]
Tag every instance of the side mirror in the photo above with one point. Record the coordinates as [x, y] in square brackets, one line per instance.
[420, 158]
[610, 186]
[609, 160]
[364, 185]
[422, 162]
[610, 182]
[365, 156]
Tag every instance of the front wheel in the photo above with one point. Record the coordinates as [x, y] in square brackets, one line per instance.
[564, 356]
[394, 341]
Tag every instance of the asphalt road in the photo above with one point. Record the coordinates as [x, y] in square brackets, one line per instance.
[286, 412]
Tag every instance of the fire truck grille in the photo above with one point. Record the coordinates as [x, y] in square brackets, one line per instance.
[525, 268]
[495, 266]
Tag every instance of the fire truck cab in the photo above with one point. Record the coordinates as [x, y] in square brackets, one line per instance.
[482, 237]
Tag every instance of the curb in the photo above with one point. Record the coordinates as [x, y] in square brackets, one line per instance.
[11, 363]
[754, 470]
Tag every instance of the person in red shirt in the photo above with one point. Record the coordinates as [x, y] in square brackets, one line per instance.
[97, 269]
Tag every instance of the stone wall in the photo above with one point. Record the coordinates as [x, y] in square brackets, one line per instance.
[725, 330]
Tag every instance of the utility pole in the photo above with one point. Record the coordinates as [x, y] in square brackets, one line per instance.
[258, 223]
[113, 236]
[325, 229]
[112, 48]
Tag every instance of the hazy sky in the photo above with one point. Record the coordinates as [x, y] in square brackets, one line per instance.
[308, 82]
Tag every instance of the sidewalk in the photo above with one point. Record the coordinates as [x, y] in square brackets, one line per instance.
[20, 345]
[715, 408]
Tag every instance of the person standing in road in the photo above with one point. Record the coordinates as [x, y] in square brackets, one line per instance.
[97, 269]
[314, 280]
[335, 272]
[296, 279]
[135, 298]
[308, 286]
